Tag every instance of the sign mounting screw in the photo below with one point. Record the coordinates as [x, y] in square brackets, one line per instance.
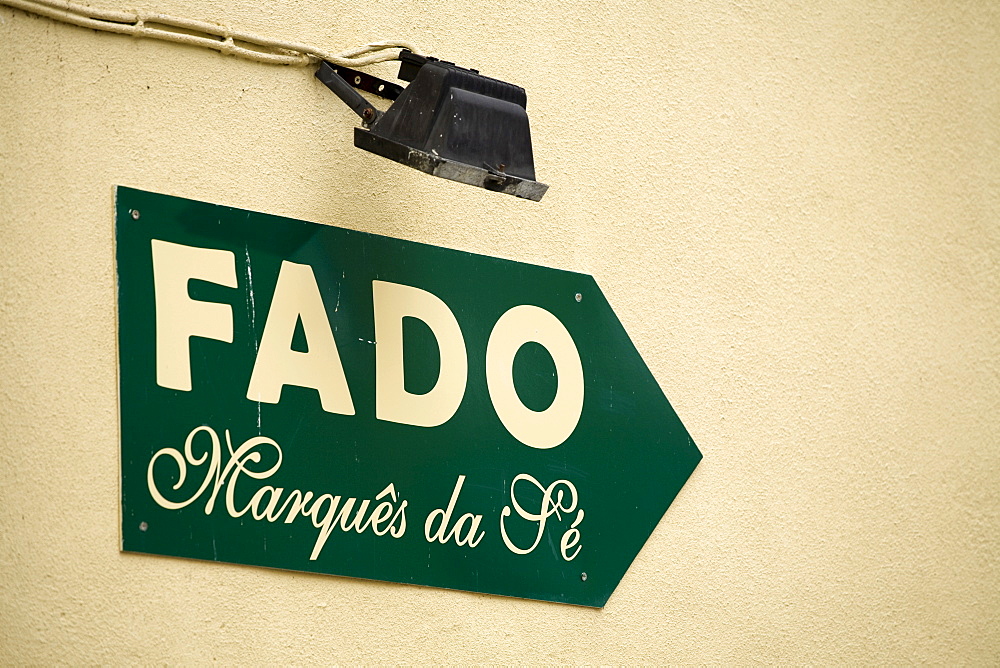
[135, 214]
[143, 526]
[579, 298]
[583, 576]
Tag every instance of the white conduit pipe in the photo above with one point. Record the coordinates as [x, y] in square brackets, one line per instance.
[209, 35]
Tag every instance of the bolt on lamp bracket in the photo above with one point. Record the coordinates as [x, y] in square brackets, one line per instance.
[449, 122]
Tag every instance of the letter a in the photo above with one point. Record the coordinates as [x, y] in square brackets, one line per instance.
[296, 296]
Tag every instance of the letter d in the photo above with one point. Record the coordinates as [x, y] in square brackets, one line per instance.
[441, 534]
[392, 303]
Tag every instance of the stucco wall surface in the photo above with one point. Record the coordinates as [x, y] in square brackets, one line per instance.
[793, 208]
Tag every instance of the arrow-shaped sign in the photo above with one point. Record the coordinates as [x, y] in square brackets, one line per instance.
[307, 397]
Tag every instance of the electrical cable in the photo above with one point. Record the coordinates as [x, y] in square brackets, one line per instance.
[209, 35]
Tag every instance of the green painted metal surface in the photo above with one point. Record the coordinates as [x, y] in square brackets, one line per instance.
[626, 459]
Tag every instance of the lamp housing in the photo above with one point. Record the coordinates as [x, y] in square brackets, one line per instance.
[449, 121]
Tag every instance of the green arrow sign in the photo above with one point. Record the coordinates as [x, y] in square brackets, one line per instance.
[313, 398]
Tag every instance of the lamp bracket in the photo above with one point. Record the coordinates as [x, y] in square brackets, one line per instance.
[343, 81]
[366, 82]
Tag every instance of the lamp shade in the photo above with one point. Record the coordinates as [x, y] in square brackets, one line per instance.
[460, 125]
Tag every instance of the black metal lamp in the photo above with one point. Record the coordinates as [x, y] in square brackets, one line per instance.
[449, 122]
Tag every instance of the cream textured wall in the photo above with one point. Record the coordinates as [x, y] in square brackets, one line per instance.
[794, 209]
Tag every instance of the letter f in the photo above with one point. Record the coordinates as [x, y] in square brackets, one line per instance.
[178, 317]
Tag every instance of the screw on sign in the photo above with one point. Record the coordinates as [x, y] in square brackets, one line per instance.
[314, 398]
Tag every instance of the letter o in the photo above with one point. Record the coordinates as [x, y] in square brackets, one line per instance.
[538, 429]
